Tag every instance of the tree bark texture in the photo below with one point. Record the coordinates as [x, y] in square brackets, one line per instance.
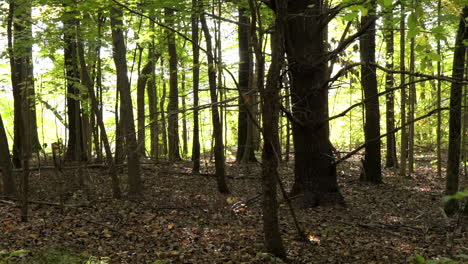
[372, 168]
[127, 120]
[456, 92]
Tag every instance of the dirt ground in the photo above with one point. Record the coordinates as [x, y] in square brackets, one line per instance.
[182, 219]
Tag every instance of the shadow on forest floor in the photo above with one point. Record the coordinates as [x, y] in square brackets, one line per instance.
[184, 220]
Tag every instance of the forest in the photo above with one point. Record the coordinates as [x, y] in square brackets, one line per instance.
[233, 131]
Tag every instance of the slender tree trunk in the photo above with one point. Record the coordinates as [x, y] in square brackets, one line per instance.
[456, 92]
[87, 81]
[152, 92]
[372, 168]
[142, 81]
[391, 157]
[217, 128]
[163, 113]
[128, 123]
[439, 98]
[412, 103]
[196, 80]
[173, 106]
[9, 185]
[270, 154]
[404, 136]
[184, 117]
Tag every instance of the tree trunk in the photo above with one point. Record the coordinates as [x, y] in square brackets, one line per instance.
[270, 154]
[87, 81]
[128, 123]
[217, 128]
[412, 102]
[404, 135]
[196, 80]
[315, 170]
[142, 81]
[173, 106]
[391, 160]
[244, 140]
[19, 31]
[372, 168]
[184, 117]
[439, 98]
[75, 147]
[456, 92]
[9, 185]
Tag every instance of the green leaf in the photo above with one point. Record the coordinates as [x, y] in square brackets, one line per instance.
[350, 16]
[387, 3]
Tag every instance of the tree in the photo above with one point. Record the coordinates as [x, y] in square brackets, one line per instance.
[9, 185]
[314, 169]
[244, 125]
[75, 150]
[372, 168]
[217, 128]
[270, 157]
[123, 85]
[20, 41]
[195, 84]
[173, 106]
[404, 133]
[456, 92]
[391, 160]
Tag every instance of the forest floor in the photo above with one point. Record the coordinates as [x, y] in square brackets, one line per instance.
[183, 219]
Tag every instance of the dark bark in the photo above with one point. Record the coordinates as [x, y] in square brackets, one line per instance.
[270, 154]
[244, 126]
[456, 92]
[217, 128]
[372, 168]
[163, 112]
[88, 83]
[195, 83]
[153, 105]
[75, 146]
[173, 106]
[142, 81]
[127, 120]
[20, 52]
[391, 160]
[9, 185]
[315, 172]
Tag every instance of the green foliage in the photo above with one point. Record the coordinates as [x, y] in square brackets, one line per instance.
[456, 196]
[443, 260]
[269, 257]
[6, 257]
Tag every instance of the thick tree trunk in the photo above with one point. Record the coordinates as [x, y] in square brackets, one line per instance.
[9, 185]
[19, 30]
[391, 160]
[173, 106]
[372, 168]
[217, 128]
[315, 171]
[196, 80]
[123, 85]
[75, 146]
[412, 102]
[456, 92]
[244, 140]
